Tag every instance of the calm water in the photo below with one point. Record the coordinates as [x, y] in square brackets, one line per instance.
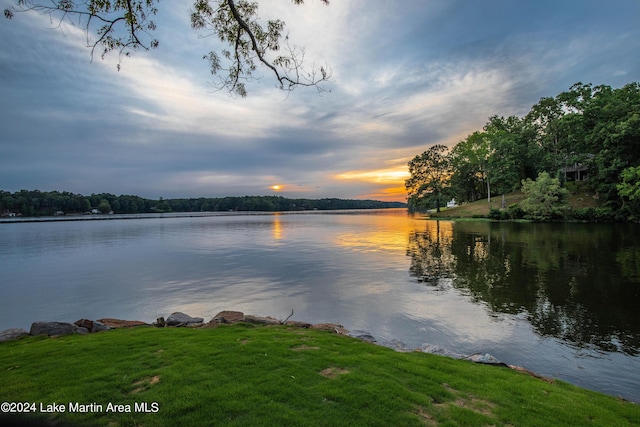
[559, 299]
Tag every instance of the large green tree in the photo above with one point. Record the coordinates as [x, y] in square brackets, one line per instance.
[611, 126]
[429, 180]
[471, 178]
[125, 26]
[629, 190]
[514, 153]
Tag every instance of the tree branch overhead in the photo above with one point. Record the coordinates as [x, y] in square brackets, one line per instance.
[124, 26]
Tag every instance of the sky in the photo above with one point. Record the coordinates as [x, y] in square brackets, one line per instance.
[404, 76]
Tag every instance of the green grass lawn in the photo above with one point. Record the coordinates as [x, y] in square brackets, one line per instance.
[579, 197]
[479, 207]
[244, 375]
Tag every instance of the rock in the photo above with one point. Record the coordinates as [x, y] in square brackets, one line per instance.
[332, 327]
[297, 324]
[261, 320]
[99, 327]
[396, 345]
[486, 359]
[12, 334]
[341, 330]
[229, 317]
[118, 323]
[441, 351]
[56, 328]
[225, 317]
[91, 325]
[363, 335]
[84, 323]
[160, 322]
[178, 318]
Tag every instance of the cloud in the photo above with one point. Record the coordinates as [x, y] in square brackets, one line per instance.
[404, 77]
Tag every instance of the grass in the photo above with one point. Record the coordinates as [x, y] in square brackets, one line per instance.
[579, 197]
[479, 208]
[245, 375]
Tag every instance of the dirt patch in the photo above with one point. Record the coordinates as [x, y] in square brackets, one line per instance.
[425, 417]
[145, 383]
[467, 401]
[304, 348]
[333, 372]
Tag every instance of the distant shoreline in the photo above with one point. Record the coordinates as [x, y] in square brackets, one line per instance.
[107, 217]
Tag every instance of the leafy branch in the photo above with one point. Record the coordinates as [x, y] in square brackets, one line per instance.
[126, 25]
[120, 25]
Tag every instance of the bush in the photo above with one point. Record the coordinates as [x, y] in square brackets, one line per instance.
[584, 214]
[515, 211]
[596, 215]
[496, 214]
[546, 198]
[604, 215]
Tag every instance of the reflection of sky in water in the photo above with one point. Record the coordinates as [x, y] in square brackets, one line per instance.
[349, 269]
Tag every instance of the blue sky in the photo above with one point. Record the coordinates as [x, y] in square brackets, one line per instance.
[405, 75]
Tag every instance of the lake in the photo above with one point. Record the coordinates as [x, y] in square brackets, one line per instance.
[561, 300]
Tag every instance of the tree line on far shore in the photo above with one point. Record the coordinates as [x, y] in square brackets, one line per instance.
[46, 203]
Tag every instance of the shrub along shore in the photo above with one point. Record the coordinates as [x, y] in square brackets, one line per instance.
[247, 370]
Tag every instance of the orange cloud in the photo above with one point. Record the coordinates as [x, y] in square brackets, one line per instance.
[387, 176]
[390, 182]
[389, 194]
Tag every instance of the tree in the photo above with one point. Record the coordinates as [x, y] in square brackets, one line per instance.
[612, 135]
[629, 189]
[470, 166]
[125, 26]
[430, 174]
[104, 206]
[514, 154]
[546, 198]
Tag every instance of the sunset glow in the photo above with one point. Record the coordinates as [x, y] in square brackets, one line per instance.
[178, 138]
[385, 184]
[380, 176]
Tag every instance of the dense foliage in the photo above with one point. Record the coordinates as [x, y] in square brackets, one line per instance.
[588, 133]
[42, 203]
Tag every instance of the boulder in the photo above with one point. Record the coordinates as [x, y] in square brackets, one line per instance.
[261, 320]
[229, 316]
[99, 327]
[118, 323]
[298, 323]
[12, 334]
[225, 317]
[84, 323]
[441, 351]
[397, 345]
[178, 318]
[486, 359]
[56, 328]
[363, 335]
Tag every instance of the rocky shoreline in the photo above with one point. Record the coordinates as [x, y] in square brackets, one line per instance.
[176, 319]
[179, 319]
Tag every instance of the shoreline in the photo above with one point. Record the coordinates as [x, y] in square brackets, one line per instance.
[228, 317]
[207, 214]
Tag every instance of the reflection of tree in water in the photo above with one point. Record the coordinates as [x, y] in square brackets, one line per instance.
[579, 283]
[431, 259]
